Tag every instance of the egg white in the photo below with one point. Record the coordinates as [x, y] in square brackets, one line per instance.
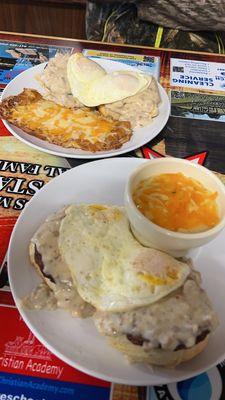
[116, 86]
[111, 269]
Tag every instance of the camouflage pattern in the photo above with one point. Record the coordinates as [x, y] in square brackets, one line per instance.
[194, 15]
[130, 23]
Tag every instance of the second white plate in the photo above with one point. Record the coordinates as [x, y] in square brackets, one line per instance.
[76, 341]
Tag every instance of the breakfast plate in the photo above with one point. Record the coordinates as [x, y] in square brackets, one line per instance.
[74, 340]
[140, 135]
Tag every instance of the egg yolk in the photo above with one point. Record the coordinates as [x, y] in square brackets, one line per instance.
[177, 202]
[169, 276]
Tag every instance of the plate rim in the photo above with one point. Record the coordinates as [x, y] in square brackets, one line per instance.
[113, 153]
[74, 364]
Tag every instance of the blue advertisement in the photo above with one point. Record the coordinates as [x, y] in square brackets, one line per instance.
[18, 387]
[206, 386]
[17, 57]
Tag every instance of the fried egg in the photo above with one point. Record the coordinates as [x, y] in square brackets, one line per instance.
[111, 270]
[92, 86]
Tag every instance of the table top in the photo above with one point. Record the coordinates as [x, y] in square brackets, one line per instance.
[195, 131]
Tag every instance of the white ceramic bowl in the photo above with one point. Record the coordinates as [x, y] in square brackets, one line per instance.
[152, 235]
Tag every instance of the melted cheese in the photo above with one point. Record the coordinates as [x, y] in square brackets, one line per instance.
[63, 122]
[176, 202]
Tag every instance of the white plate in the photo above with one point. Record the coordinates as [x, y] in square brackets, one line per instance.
[77, 341]
[140, 136]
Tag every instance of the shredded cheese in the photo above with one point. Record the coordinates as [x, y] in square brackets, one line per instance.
[177, 202]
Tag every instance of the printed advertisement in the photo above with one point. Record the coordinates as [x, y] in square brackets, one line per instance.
[147, 64]
[198, 106]
[17, 57]
[29, 370]
[202, 75]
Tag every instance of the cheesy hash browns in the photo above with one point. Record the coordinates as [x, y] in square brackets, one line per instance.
[71, 128]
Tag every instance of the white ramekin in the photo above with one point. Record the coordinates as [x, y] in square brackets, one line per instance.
[152, 235]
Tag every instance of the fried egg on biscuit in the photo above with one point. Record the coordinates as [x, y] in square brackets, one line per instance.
[111, 269]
